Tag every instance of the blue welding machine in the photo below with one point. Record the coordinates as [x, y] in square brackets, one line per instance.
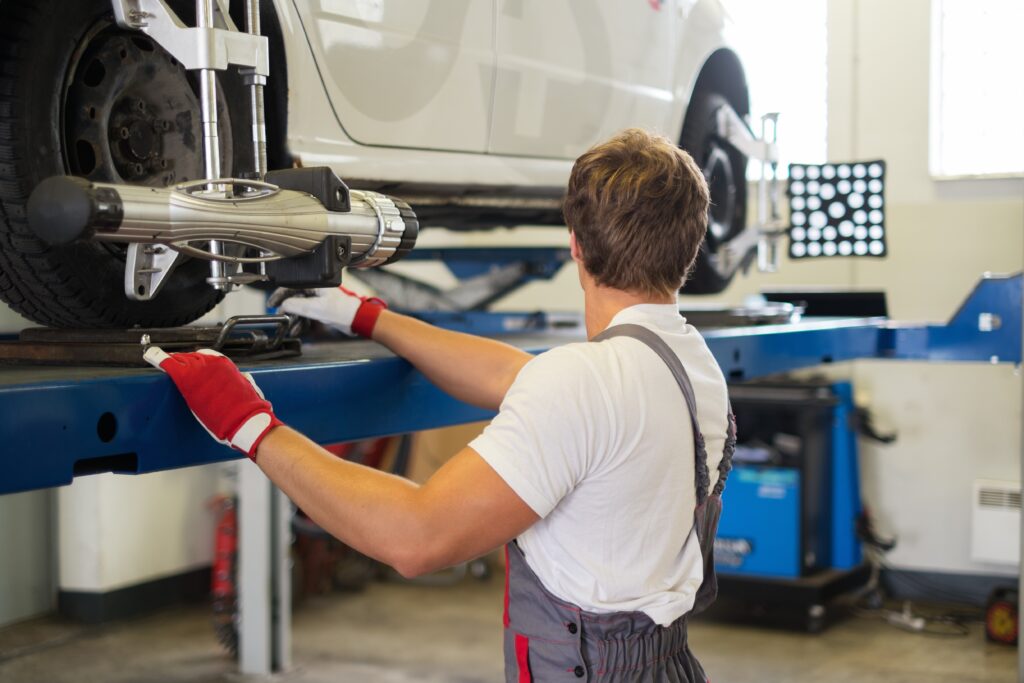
[792, 500]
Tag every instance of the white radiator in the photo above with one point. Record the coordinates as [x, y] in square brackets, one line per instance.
[995, 522]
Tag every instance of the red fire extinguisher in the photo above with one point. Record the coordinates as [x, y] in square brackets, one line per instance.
[1001, 620]
[222, 582]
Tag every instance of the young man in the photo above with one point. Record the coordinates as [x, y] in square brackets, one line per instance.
[602, 468]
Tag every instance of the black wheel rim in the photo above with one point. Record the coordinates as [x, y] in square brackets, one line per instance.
[130, 113]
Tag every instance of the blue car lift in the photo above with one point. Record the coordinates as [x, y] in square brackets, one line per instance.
[60, 422]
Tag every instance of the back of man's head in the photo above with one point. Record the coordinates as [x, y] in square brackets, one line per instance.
[638, 206]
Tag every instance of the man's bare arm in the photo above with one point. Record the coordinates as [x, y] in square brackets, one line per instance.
[462, 512]
[473, 369]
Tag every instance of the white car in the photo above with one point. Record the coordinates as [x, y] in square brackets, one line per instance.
[470, 110]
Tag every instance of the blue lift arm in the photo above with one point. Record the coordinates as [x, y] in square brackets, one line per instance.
[986, 327]
[56, 423]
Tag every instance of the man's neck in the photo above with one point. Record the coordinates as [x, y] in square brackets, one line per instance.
[601, 304]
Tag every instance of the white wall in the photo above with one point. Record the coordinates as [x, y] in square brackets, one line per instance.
[116, 531]
[27, 555]
[957, 422]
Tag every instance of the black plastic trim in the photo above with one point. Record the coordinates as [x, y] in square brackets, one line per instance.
[412, 229]
[319, 181]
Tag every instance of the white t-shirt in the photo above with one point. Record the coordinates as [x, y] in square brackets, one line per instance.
[596, 439]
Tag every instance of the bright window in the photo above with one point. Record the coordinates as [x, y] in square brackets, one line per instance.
[783, 47]
[977, 117]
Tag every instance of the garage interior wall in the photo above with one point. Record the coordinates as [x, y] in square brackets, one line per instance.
[27, 560]
[956, 422]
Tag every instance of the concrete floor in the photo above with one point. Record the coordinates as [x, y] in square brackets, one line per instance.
[399, 634]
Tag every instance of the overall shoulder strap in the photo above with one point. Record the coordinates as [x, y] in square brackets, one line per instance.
[665, 352]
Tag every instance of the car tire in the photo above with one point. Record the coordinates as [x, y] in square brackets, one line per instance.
[724, 168]
[67, 78]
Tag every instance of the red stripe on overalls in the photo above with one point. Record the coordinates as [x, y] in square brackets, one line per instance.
[505, 618]
[523, 658]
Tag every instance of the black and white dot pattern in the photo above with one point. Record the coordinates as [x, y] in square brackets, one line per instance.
[837, 209]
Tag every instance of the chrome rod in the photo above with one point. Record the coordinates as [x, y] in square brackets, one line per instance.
[211, 141]
[208, 100]
[256, 83]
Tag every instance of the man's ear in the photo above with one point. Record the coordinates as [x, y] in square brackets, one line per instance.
[574, 248]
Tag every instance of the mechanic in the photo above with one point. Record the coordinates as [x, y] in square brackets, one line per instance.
[603, 468]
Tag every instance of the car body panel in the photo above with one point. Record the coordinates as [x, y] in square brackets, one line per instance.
[573, 72]
[320, 134]
[408, 73]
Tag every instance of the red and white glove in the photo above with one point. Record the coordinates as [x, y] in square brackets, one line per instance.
[226, 401]
[340, 308]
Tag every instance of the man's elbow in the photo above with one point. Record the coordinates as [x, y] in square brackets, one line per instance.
[428, 543]
[411, 570]
[415, 562]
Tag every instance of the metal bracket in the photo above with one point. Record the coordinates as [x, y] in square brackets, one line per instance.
[769, 222]
[733, 253]
[146, 268]
[737, 133]
[249, 329]
[768, 230]
[195, 48]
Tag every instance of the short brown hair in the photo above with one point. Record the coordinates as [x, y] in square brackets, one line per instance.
[639, 208]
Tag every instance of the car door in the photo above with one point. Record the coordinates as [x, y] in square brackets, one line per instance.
[572, 72]
[406, 73]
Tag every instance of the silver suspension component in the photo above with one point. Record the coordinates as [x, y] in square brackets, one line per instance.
[278, 223]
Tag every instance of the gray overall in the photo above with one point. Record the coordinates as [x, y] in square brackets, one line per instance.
[549, 639]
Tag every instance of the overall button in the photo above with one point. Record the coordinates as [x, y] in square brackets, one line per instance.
[578, 671]
[573, 629]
